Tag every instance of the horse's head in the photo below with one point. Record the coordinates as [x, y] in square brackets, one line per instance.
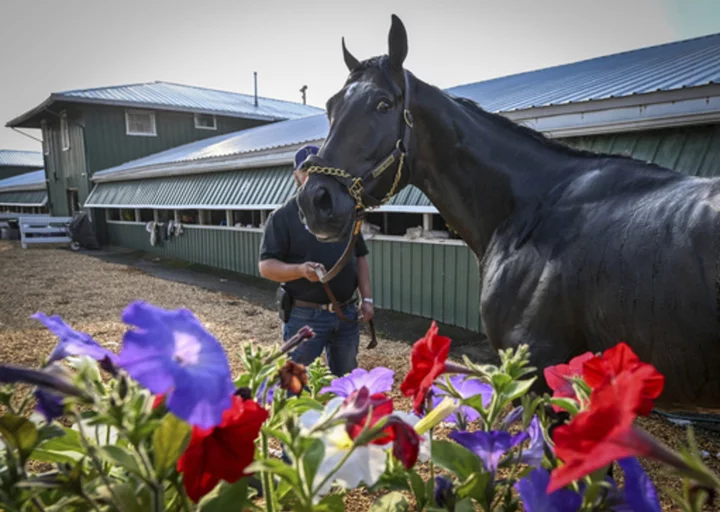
[363, 160]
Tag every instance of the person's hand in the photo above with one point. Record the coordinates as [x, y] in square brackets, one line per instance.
[307, 270]
[366, 311]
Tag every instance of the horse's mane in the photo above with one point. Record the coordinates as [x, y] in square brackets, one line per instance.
[474, 108]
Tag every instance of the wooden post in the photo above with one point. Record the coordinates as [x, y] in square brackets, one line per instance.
[263, 217]
[229, 218]
[427, 221]
[137, 215]
[176, 216]
[156, 215]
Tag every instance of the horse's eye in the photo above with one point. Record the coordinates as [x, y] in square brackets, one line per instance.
[383, 105]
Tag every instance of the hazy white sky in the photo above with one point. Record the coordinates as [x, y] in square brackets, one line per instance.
[56, 45]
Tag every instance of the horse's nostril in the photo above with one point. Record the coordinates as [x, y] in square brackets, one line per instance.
[322, 200]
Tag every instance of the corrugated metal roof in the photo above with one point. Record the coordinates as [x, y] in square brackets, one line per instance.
[285, 133]
[23, 198]
[178, 97]
[689, 63]
[682, 64]
[16, 158]
[265, 188]
[30, 179]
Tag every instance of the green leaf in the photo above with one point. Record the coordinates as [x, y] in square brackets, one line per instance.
[417, 484]
[276, 467]
[169, 441]
[465, 505]
[500, 381]
[312, 458]
[567, 404]
[330, 503]
[391, 502]
[277, 434]
[65, 448]
[517, 389]
[121, 457]
[130, 499]
[226, 497]
[19, 433]
[475, 486]
[455, 458]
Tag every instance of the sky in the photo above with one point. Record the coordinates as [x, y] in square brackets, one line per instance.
[54, 45]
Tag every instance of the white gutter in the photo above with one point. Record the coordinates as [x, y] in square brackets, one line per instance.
[24, 188]
[266, 158]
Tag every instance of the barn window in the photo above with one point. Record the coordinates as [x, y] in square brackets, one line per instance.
[64, 131]
[45, 137]
[205, 122]
[140, 122]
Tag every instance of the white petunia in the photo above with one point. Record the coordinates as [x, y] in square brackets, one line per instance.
[365, 464]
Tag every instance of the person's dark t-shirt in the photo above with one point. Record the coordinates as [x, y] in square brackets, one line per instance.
[287, 239]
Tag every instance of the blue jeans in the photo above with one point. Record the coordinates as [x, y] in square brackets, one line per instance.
[339, 339]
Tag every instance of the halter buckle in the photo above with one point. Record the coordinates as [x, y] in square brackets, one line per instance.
[408, 118]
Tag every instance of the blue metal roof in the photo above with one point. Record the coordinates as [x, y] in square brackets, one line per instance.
[269, 136]
[171, 96]
[29, 179]
[16, 158]
[689, 63]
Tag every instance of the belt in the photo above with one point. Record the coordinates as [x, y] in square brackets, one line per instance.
[324, 307]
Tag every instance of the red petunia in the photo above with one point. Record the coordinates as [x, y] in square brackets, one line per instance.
[558, 376]
[427, 363]
[604, 433]
[406, 442]
[619, 360]
[222, 452]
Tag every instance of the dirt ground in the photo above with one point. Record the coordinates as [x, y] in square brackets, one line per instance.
[89, 291]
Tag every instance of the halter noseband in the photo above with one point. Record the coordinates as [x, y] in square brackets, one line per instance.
[358, 185]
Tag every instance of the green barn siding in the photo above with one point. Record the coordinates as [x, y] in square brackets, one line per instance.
[429, 280]
[65, 169]
[8, 171]
[108, 145]
[693, 150]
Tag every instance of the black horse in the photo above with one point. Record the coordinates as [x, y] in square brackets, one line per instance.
[577, 250]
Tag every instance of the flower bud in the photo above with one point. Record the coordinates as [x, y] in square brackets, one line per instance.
[293, 377]
[447, 407]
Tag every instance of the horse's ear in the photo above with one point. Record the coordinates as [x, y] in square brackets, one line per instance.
[397, 43]
[350, 61]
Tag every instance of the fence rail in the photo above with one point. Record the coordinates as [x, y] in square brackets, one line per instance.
[44, 230]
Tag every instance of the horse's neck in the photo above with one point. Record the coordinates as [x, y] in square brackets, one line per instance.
[477, 169]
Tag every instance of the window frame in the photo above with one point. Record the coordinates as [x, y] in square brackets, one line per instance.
[201, 127]
[153, 122]
[64, 131]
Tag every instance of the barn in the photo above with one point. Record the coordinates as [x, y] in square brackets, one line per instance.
[14, 162]
[24, 193]
[86, 130]
[658, 104]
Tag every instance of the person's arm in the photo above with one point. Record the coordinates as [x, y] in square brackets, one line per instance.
[282, 272]
[274, 248]
[367, 309]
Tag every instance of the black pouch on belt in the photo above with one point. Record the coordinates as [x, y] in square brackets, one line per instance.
[284, 303]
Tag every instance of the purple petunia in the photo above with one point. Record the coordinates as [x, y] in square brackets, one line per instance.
[49, 404]
[171, 353]
[639, 492]
[72, 342]
[377, 380]
[533, 454]
[261, 392]
[467, 387]
[489, 446]
[534, 498]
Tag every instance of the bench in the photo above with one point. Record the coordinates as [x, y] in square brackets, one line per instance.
[44, 230]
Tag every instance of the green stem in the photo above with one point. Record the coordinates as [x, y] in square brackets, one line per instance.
[183, 496]
[266, 479]
[90, 450]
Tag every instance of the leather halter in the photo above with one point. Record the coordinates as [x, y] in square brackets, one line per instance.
[358, 189]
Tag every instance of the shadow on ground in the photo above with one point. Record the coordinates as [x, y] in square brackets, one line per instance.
[261, 292]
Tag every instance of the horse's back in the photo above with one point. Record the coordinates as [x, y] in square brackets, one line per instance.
[610, 258]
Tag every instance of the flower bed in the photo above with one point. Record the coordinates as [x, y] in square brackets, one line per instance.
[173, 429]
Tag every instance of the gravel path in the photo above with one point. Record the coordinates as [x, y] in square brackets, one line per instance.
[90, 293]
